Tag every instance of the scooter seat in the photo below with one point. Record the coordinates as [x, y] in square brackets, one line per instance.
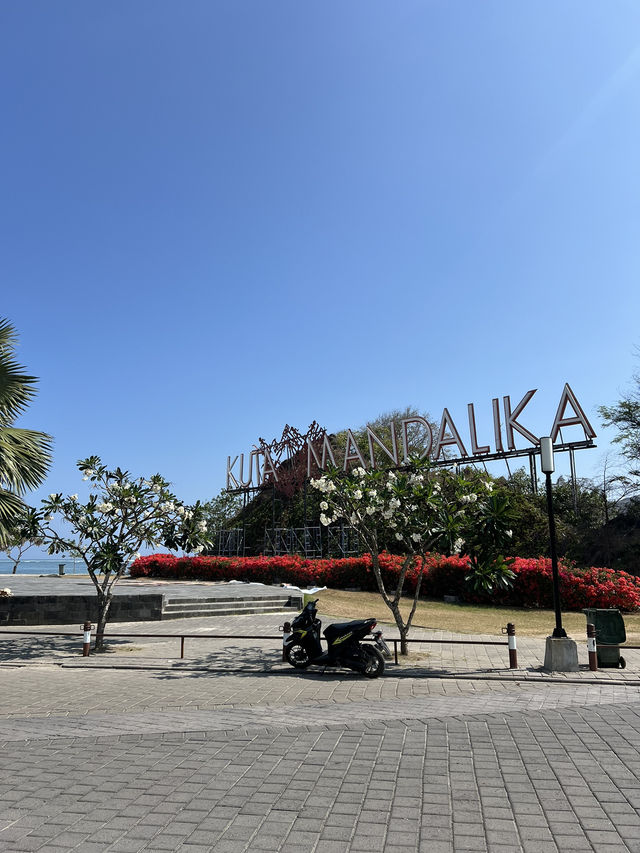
[343, 627]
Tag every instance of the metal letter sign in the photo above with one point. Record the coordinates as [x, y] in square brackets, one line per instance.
[291, 459]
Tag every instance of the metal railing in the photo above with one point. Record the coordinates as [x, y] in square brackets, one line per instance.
[87, 627]
[86, 631]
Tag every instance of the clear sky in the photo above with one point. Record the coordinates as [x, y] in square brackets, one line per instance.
[221, 217]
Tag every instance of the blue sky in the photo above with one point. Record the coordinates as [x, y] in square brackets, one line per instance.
[221, 217]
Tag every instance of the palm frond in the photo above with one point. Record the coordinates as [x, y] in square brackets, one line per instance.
[8, 335]
[16, 387]
[11, 509]
[25, 458]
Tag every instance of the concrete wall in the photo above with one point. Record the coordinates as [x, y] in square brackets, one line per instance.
[66, 609]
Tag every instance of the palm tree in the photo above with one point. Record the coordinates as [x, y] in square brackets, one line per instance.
[25, 455]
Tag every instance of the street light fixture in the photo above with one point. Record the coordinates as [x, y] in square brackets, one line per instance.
[548, 467]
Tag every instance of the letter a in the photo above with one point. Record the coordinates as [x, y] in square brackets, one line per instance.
[351, 452]
[579, 417]
[454, 438]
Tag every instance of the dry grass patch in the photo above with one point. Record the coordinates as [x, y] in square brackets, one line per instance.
[462, 618]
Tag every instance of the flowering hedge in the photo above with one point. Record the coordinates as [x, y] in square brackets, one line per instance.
[590, 587]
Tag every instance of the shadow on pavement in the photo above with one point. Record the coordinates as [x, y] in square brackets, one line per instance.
[31, 647]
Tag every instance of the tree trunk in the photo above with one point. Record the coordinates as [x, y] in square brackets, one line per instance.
[392, 603]
[104, 602]
[15, 567]
[403, 630]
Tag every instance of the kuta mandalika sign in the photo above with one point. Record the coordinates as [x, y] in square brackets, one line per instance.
[265, 463]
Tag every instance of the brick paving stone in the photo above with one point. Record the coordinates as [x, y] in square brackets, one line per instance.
[317, 763]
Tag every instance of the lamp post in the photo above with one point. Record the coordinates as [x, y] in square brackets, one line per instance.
[547, 466]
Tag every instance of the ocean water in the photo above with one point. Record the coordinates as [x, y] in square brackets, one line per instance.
[43, 567]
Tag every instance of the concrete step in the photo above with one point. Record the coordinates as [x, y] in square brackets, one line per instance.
[225, 605]
[230, 611]
[183, 608]
[226, 599]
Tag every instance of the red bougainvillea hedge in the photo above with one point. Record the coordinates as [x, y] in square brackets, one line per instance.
[591, 587]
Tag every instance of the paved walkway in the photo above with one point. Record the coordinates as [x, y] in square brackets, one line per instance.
[77, 584]
[131, 751]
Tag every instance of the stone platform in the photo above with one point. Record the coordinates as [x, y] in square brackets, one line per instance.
[60, 600]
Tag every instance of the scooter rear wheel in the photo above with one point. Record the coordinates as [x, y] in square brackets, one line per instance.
[374, 662]
[297, 656]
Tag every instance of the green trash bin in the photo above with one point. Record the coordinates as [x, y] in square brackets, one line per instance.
[610, 632]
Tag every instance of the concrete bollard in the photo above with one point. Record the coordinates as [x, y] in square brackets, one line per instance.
[86, 645]
[513, 649]
[591, 647]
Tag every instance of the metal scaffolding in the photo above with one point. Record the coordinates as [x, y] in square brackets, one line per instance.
[336, 541]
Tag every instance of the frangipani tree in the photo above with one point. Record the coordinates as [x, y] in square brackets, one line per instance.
[22, 534]
[425, 510]
[122, 515]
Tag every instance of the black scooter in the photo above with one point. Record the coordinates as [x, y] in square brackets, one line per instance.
[302, 646]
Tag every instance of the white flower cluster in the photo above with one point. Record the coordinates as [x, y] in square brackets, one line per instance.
[469, 499]
[5, 593]
[322, 484]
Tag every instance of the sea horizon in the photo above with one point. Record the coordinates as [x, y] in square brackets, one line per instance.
[43, 566]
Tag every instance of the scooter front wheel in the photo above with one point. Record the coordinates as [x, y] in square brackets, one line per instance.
[297, 656]
[374, 662]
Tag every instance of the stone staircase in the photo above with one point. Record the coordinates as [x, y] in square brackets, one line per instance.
[183, 608]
